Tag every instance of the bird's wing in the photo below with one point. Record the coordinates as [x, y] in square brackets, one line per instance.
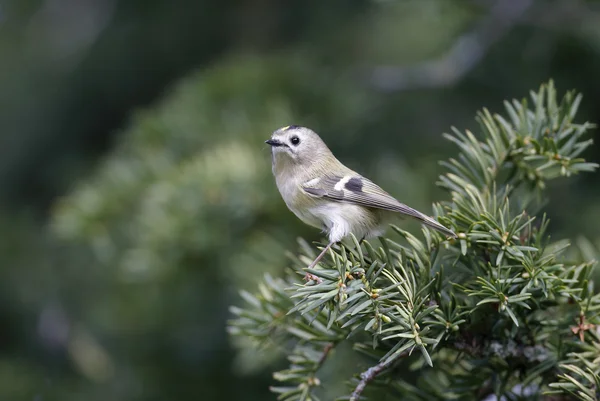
[361, 191]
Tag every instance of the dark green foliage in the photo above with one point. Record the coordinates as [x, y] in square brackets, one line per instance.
[115, 108]
[501, 310]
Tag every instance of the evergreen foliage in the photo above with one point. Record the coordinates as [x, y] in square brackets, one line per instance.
[503, 310]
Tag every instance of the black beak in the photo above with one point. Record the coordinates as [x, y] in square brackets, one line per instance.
[273, 142]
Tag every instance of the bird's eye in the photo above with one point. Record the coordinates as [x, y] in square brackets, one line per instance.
[295, 140]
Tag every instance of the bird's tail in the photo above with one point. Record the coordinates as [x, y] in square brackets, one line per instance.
[428, 221]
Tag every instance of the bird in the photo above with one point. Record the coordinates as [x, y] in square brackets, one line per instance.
[324, 193]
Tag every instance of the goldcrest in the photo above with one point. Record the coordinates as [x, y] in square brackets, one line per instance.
[324, 193]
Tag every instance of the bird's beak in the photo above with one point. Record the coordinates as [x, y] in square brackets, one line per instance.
[273, 142]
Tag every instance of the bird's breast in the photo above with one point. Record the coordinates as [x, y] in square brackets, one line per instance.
[340, 219]
[298, 201]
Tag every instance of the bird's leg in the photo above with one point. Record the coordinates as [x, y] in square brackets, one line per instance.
[309, 276]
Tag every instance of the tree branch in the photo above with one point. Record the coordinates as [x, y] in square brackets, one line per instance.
[466, 52]
[325, 354]
[471, 346]
[370, 374]
[313, 380]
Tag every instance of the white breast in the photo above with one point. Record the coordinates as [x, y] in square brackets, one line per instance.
[289, 187]
[338, 219]
[341, 219]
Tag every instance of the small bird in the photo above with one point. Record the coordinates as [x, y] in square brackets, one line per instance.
[324, 193]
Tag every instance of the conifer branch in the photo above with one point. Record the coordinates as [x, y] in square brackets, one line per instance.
[500, 299]
[370, 374]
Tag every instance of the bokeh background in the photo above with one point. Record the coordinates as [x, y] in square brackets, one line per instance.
[136, 196]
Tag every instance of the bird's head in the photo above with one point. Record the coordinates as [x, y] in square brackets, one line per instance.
[295, 146]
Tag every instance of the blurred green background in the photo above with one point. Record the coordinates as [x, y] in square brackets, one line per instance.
[136, 196]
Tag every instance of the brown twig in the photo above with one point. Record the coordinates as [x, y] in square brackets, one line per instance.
[325, 354]
[470, 345]
[313, 380]
[370, 374]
